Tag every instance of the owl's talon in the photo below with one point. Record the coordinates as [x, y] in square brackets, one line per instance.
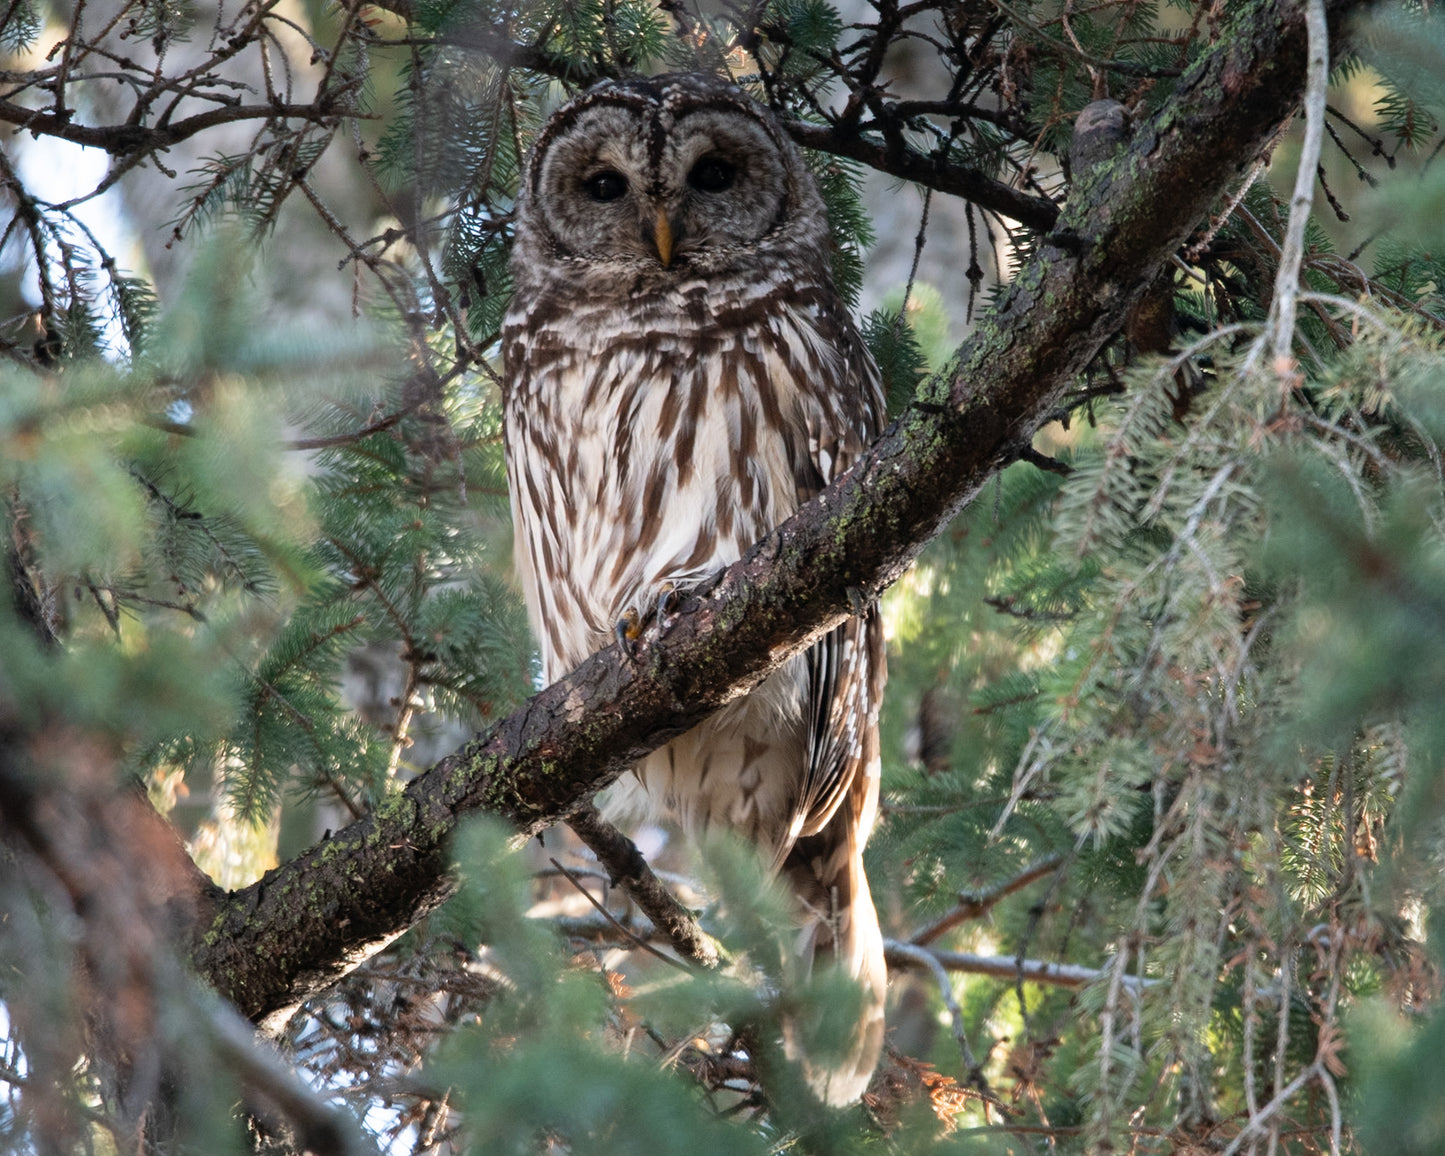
[628, 629]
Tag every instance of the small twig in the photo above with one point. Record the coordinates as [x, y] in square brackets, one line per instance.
[1256, 1123]
[112, 616]
[1008, 604]
[355, 810]
[1088, 59]
[1217, 222]
[636, 939]
[1286, 286]
[630, 871]
[27, 210]
[1004, 966]
[922, 957]
[977, 905]
[670, 877]
[27, 586]
[1044, 462]
[1377, 144]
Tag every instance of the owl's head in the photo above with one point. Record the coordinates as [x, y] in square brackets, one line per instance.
[680, 175]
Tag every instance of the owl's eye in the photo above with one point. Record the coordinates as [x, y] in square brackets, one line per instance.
[711, 175]
[606, 185]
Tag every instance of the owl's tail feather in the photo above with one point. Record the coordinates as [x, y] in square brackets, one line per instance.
[840, 928]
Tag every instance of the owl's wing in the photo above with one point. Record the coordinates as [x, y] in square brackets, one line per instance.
[846, 671]
[846, 668]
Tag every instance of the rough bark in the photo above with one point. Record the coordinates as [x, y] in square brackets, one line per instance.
[300, 927]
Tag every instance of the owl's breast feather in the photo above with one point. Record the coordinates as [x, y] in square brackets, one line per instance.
[658, 453]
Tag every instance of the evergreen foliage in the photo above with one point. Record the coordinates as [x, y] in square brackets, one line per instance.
[1166, 714]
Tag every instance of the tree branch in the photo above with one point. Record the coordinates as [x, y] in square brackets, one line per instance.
[629, 870]
[899, 954]
[497, 44]
[906, 955]
[123, 139]
[976, 906]
[295, 931]
[1038, 213]
[893, 157]
[606, 928]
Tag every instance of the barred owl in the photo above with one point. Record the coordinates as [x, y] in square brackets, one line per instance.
[680, 375]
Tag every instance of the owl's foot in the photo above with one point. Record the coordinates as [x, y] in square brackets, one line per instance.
[628, 629]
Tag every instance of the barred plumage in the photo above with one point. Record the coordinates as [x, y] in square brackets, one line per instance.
[680, 376]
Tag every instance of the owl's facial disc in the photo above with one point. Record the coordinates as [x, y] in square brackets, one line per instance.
[668, 185]
[725, 181]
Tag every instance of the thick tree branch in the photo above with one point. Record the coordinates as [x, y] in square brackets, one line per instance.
[306, 922]
[130, 885]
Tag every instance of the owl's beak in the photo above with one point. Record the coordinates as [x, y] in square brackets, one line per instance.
[662, 235]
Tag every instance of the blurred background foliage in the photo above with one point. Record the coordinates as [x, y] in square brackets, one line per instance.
[1163, 799]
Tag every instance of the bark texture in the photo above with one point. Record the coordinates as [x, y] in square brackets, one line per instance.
[295, 931]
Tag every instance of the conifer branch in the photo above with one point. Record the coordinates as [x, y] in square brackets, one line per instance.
[906, 954]
[899, 954]
[1286, 290]
[976, 906]
[127, 139]
[308, 921]
[627, 869]
[1008, 967]
[896, 159]
[892, 155]
[332, 441]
